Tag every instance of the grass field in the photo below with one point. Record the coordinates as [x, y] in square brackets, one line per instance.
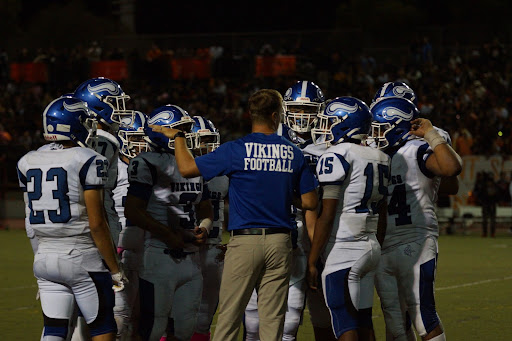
[473, 290]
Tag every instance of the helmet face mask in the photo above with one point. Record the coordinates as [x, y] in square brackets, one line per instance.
[206, 136]
[132, 136]
[302, 103]
[301, 116]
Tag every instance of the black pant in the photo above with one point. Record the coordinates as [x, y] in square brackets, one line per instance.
[488, 214]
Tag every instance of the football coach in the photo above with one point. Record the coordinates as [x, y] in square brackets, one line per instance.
[266, 173]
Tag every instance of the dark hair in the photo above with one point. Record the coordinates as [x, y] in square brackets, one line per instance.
[263, 103]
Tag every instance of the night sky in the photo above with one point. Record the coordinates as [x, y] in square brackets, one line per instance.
[185, 16]
[154, 16]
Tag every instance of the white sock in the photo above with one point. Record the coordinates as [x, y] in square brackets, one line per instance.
[440, 337]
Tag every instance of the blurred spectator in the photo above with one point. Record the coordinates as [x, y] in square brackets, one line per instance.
[463, 142]
[487, 195]
[5, 137]
[94, 52]
[503, 189]
[154, 53]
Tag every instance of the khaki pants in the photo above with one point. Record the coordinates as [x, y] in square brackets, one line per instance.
[261, 262]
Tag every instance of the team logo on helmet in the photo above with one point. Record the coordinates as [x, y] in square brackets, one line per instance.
[319, 95]
[74, 107]
[332, 108]
[161, 116]
[288, 94]
[402, 90]
[127, 121]
[390, 113]
[109, 87]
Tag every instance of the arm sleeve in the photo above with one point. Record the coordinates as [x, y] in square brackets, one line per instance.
[308, 181]
[332, 168]
[22, 179]
[424, 152]
[218, 162]
[142, 177]
[93, 173]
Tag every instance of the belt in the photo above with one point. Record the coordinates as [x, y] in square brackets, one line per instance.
[177, 253]
[260, 231]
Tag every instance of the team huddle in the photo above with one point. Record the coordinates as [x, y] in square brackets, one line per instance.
[127, 248]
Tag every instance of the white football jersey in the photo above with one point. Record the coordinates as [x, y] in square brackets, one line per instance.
[108, 146]
[54, 179]
[218, 188]
[412, 194]
[362, 172]
[131, 237]
[120, 191]
[312, 153]
[171, 197]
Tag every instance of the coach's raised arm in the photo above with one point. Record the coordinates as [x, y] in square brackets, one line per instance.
[266, 173]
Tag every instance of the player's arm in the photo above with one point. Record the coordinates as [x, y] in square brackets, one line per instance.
[444, 161]
[99, 228]
[186, 162]
[309, 200]
[310, 218]
[136, 211]
[204, 211]
[323, 228]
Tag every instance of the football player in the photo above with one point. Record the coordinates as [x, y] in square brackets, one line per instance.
[420, 156]
[63, 184]
[207, 139]
[131, 239]
[448, 186]
[163, 203]
[354, 178]
[107, 103]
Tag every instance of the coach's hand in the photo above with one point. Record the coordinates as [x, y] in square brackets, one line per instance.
[312, 277]
[168, 132]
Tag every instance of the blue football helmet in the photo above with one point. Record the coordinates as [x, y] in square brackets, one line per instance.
[343, 118]
[395, 89]
[171, 116]
[391, 123]
[302, 103]
[206, 136]
[105, 99]
[69, 119]
[131, 135]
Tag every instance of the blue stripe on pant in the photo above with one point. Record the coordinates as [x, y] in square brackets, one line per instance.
[427, 302]
[337, 295]
[147, 308]
[104, 322]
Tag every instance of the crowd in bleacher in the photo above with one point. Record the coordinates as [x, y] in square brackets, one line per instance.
[465, 91]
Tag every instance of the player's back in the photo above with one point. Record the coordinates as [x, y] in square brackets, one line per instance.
[362, 174]
[412, 195]
[54, 179]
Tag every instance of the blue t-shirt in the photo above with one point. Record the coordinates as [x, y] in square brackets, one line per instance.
[265, 171]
